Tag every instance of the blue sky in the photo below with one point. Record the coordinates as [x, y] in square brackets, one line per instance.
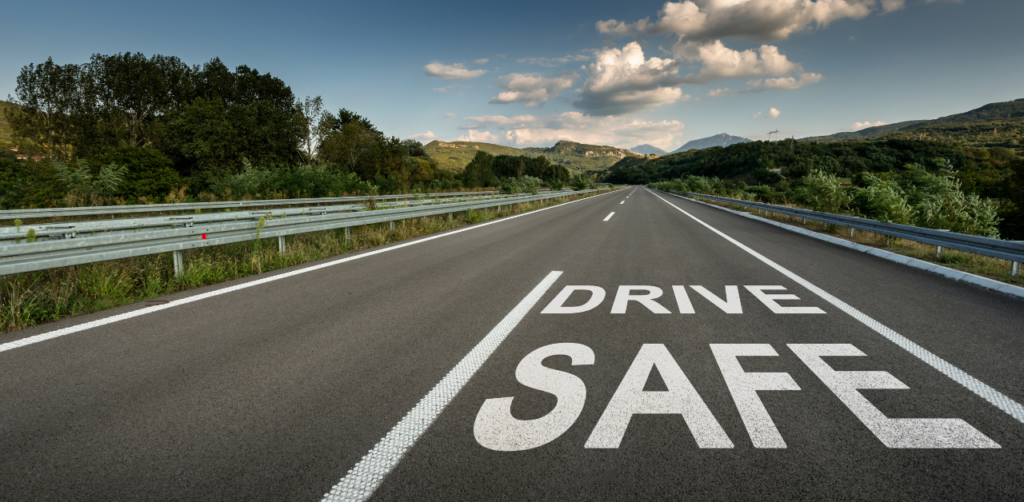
[619, 73]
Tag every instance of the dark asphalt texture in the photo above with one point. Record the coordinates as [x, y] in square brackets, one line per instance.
[274, 392]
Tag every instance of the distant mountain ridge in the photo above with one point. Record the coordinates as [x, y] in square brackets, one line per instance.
[989, 112]
[454, 155]
[722, 139]
[646, 149]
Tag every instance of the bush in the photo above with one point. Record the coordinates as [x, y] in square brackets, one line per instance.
[149, 172]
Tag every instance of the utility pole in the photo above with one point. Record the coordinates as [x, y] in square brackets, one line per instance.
[775, 132]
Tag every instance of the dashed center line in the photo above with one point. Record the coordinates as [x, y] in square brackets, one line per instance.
[606, 218]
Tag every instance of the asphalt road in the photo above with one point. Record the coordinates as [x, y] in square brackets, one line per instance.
[416, 374]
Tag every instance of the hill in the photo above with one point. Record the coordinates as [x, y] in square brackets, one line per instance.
[648, 149]
[454, 155]
[992, 112]
[5, 127]
[716, 140]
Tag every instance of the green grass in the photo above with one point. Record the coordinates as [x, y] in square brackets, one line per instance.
[39, 297]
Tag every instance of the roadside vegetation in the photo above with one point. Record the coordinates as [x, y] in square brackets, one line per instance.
[35, 298]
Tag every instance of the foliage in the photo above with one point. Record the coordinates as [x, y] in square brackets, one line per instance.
[78, 178]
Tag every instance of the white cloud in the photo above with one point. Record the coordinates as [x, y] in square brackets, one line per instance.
[893, 5]
[554, 61]
[756, 115]
[485, 60]
[449, 115]
[721, 62]
[622, 81]
[864, 125]
[787, 82]
[478, 137]
[531, 88]
[423, 135]
[706, 20]
[441, 89]
[531, 130]
[774, 112]
[456, 71]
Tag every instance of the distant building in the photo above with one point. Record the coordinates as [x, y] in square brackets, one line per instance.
[14, 149]
[35, 158]
[20, 156]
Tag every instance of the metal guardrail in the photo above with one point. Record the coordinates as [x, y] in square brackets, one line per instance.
[943, 239]
[68, 212]
[94, 228]
[30, 257]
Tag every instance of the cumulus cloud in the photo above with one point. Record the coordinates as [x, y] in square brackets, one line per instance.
[774, 113]
[864, 125]
[531, 88]
[485, 60]
[893, 5]
[622, 81]
[756, 115]
[456, 71]
[721, 62]
[441, 89]
[554, 61]
[478, 136]
[787, 82]
[423, 136]
[532, 130]
[449, 115]
[706, 20]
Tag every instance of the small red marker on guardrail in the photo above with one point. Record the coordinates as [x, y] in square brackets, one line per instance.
[204, 236]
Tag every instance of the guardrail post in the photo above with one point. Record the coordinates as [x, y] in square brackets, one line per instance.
[347, 235]
[1014, 268]
[280, 244]
[178, 265]
[392, 225]
[938, 252]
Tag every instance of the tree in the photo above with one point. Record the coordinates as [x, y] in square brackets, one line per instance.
[50, 98]
[478, 172]
[309, 119]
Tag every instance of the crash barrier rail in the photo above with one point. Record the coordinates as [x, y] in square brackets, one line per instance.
[69, 212]
[30, 257]
[941, 239]
[93, 228]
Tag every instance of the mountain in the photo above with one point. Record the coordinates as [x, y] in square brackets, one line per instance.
[454, 155]
[716, 140]
[648, 149]
[992, 112]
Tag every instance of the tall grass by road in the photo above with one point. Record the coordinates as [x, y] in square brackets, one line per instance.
[39, 297]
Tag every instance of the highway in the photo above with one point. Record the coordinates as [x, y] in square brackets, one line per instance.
[628, 346]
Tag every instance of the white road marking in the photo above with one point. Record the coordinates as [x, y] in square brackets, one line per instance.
[623, 202]
[892, 432]
[983, 390]
[606, 218]
[744, 386]
[496, 429]
[361, 481]
[681, 398]
[184, 301]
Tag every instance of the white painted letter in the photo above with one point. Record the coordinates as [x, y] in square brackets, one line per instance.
[557, 305]
[731, 305]
[624, 296]
[770, 300]
[683, 300]
[744, 386]
[495, 427]
[893, 432]
[680, 398]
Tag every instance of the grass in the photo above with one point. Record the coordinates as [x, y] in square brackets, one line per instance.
[985, 266]
[39, 297]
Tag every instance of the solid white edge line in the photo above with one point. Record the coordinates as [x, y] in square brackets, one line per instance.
[948, 273]
[983, 390]
[606, 218]
[362, 480]
[176, 303]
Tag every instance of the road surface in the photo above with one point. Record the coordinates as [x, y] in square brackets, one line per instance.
[633, 345]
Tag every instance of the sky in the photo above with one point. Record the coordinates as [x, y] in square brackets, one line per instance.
[530, 73]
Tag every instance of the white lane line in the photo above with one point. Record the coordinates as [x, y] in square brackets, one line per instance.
[606, 218]
[623, 202]
[998, 399]
[361, 481]
[184, 301]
